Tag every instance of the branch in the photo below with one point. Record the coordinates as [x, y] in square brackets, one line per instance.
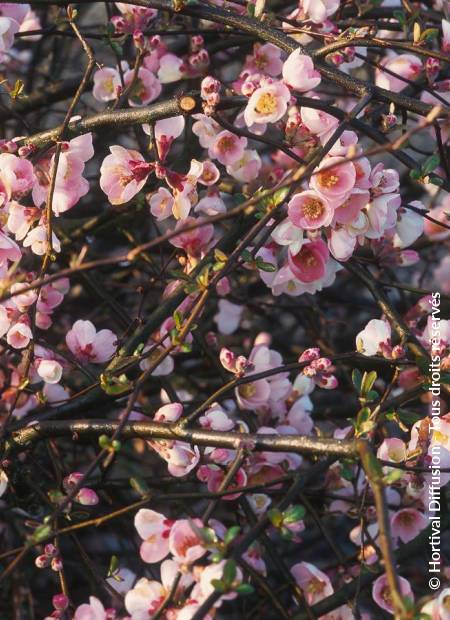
[92, 429]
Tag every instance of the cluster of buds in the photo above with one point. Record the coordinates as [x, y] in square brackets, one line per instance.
[320, 369]
[85, 495]
[210, 89]
[132, 18]
[235, 364]
[296, 132]
[339, 57]
[50, 557]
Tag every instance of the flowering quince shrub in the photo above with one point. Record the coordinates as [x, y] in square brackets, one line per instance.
[224, 310]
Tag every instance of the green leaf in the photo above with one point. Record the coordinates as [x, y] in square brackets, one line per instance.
[357, 379]
[229, 572]
[113, 566]
[294, 514]
[246, 256]
[245, 588]
[430, 164]
[178, 319]
[231, 534]
[265, 266]
[41, 533]
[368, 380]
[275, 516]
[393, 476]
[400, 17]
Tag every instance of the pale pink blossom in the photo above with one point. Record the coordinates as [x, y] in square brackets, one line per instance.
[134, 17]
[206, 129]
[382, 214]
[318, 122]
[382, 594]
[3, 482]
[319, 10]
[93, 610]
[166, 131]
[154, 529]
[123, 174]
[211, 204]
[193, 242]
[407, 523]
[405, 66]
[334, 179]
[309, 210]
[267, 104]
[445, 36]
[49, 370]
[286, 234]
[171, 69]
[90, 345]
[229, 317]
[309, 264]
[16, 174]
[254, 395]
[392, 449]
[20, 334]
[409, 225]
[9, 250]
[20, 219]
[161, 203]
[374, 338]
[227, 148]
[8, 28]
[342, 243]
[106, 84]
[313, 582]
[351, 207]
[5, 320]
[246, 168]
[70, 184]
[37, 240]
[169, 413]
[216, 419]
[266, 58]
[184, 544]
[145, 88]
[299, 72]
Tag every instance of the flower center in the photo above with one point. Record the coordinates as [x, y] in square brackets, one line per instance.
[328, 178]
[313, 208]
[267, 104]
[248, 390]
[225, 144]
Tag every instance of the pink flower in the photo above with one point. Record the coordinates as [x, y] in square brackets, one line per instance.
[350, 208]
[166, 131]
[216, 419]
[445, 36]
[267, 104]
[313, 582]
[154, 529]
[9, 250]
[49, 370]
[20, 219]
[70, 183]
[16, 174]
[382, 595]
[265, 59]
[145, 88]
[88, 345]
[299, 72]
[37, 240]
[374, 338]
[181, 458]
[93, 610]
[170, 69]
[309, 264]
[184, 544]
[334, 179]
[229, 317]
[318, 122]
[20, 334]
[405, 66]
[193, 242]
[319, 10]
[8, 28]
[123, 174]
[169, 413]
[392, 449]
[161, 203]
[134, 17]
[407, 523]
[254, 395]
[106, 84]
[246, 168]
[309, 211]
[227, 148]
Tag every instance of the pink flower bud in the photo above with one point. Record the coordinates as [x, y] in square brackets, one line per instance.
[60, 602]
[42, 561]
[87, 497]
[309, 354]
[227, 359]
[56, 564]
[72, 480]
[50, 550]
